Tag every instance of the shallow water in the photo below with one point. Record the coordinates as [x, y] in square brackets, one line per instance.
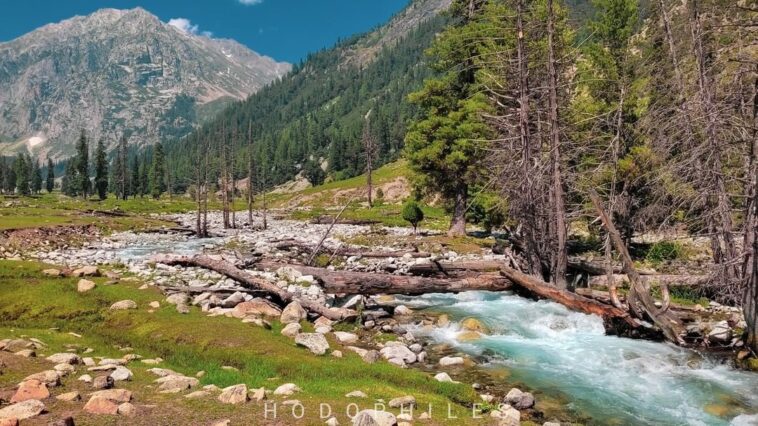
[611, 379]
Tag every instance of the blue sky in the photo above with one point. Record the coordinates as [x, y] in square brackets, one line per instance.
[286, 30]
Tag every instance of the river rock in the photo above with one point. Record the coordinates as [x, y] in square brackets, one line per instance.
[293, 312]
[286, 389]
[473, 324]
[509, 416]
[233, 300]
[100, 405]
[127, 409]
[84, 286]
[30, 389]
[103, 382]
[468, 336]
[49, 377]
[370, 357]
[123, 305]
[356, 394]
[345, 337]
[23, 410]
[236, 394]
[451, 360]
[291, 330]
[86, 271]
[403, 402]
[315, 342]
[65, 358]
[443, 377]
[398, 354]
[374, 418]
[52, 272]
[69, 397]
[720, 333]
[115, 395]
[519, 400]
[256, 307]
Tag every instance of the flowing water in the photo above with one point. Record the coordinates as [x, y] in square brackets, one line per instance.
[610, 379]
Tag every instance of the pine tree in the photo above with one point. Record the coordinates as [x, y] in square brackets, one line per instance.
[21, 167]
[36, 178]
[144, 176]
[134, 183]
[158, 173]
[10, 177]
[82, 184]
[50, 179]
[101, 170]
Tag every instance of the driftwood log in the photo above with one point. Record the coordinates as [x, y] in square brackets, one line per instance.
[247, 280]
[670, 280]
[287, 245]
[326, 220]
[344, 282]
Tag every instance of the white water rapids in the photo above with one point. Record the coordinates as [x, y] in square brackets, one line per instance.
[613, 380]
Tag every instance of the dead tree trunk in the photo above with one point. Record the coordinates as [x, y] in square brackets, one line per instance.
[368, 146]
[639, 294]
[250, 173]
[750, 263]
[559, 209]
[250, 281]
[458, 221]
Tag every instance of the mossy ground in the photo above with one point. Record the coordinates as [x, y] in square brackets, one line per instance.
[49, 308]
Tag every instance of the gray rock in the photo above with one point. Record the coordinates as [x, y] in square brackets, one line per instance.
[398, 353]
[345, 338]
[23, 410]
[374, 418]
[65, 358]
[124, 305]
[291, 330]
[451, 360]
[403, 401]
[286, 389]
[293, 312]
[121, 373]
[236, 394]
[315, 342]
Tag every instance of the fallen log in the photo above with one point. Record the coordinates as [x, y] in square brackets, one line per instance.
[345, 282]
[327, 220]
[455, 268]
[247, 280]
[570, 300]
[306, 248]
[670, 280]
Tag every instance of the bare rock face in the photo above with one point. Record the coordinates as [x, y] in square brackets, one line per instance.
[116, 69]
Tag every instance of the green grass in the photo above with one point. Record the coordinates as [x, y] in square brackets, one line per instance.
[32, 304]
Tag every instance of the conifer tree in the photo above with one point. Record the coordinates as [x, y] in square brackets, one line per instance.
[134, 184]
[158, 173]
[82, 183]
[21, 167]
[36, 177]
[101, 170]
[50, 179]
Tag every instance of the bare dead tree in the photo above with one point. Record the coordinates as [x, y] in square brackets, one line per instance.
[369, 149]
[250, 172]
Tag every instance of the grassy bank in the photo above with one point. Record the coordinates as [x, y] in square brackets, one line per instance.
[50, 308]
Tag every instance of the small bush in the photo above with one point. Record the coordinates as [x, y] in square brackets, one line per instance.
[663, 251]
[412, 213]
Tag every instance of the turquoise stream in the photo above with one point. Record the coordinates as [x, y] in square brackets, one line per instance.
[612, 380]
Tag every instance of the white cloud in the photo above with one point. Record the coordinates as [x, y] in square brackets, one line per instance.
[185, 25]
[250, 2]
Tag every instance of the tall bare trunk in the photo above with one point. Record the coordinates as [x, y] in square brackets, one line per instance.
[250, 173]
[224, 180]
[458, 221]
[368, 146]
[750, 264]
[559, 210]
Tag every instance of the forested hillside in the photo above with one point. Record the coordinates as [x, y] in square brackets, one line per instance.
[317, 112]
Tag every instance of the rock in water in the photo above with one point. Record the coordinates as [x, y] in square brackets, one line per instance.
[236, 394]
[374, 418]
[293, 312]
[315, 342]
[23, 410]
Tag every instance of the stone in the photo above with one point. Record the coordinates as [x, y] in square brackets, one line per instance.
[402, 310]
[64, 369]
[291, 330]
[100, 405]
[52, 272]
[115, 395]
[370, 357]
[103, 382]
[65, 358]
[473, 324]
[443, 320]
[155, 304]
[468, 336]
[337, 354]
[519, 400]
[258, 394]
[9, 421]
[720, 333]
[163, 372]
[49, 377]
[236, 394]
[286, 389]
[233, 300]
[121, 373]
[123, 305]
[23, 410]
[316, 343]
[26, 353]
[86, 271]
[257, 307]
[84, 286]
[416, 348]
[345, 337]
[69, 396]
[86, 378]
[451, 360]
[182, 308]
[177, 299]
[356, 394]
[323, 321]
[30, 389]
[509, 417]
[293, 312]
[175, 383]
[127, 409]
[398, 353]
[323, 329]
[403, 401]
[332, 421]
[374, 418]
[443, 377]
[197, 394]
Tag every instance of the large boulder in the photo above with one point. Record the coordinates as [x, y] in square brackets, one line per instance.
[293, 312]
[30, 389]
[473, 324]
[84, 286]
[236, 394]
[315, 342]
[256, 307]
[374, 418]
[100, 405]
[124, 305]
[23, 410]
